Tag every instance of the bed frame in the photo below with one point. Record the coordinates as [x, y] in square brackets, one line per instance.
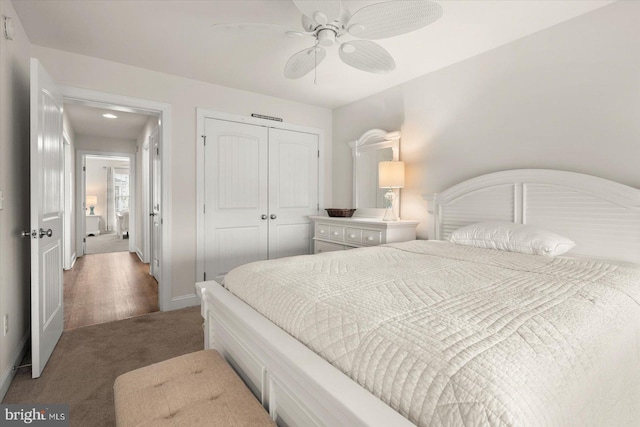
[299, 388]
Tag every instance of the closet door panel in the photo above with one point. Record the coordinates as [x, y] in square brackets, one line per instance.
[236, 200]
[293, 191]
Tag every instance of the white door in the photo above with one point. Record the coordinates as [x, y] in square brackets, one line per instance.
[236, 204]
[293, 191]
[260, 186]
[156, 208]
[47, 180]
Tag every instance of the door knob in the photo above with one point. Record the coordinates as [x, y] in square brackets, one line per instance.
[263, 217]
[47, 233]
[273, 216]
[27, 234]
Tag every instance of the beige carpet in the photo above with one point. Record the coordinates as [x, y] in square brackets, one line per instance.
[105, 243]
[86, 362]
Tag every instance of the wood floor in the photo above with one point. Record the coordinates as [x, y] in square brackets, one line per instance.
[106, 287]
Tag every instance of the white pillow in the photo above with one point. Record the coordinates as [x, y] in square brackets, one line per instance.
[507, 236]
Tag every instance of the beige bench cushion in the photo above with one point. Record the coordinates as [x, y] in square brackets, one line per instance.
[197, 389]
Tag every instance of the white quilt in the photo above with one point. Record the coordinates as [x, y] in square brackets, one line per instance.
[450, 335]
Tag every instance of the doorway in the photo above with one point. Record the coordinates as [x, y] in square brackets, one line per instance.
[111, 278]
[108, 186]
[161, 113]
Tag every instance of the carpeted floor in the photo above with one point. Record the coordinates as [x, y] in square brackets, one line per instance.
[105, 243]
[87, 361]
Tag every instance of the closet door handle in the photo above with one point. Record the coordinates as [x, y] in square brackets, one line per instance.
[273, 216]
[263, 217]
[44, 232]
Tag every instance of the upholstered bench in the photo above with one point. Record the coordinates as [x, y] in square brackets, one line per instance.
[197, 389]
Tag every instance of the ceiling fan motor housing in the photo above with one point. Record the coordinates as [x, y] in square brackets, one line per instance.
[326, 37]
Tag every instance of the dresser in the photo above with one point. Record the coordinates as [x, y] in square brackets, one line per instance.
[337, 234]
[92, 225]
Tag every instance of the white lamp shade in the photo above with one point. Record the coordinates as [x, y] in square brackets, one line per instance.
[391, 174]
[92, 200]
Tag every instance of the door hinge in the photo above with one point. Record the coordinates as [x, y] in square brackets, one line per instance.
[318, 153]
[84, 169]
[204, 139]
[84, 240]
[161, 221]
[205, 276]
[204, 209]
[318, 206]
[158, 151]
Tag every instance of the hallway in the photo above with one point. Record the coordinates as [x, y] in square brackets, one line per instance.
[106, 287]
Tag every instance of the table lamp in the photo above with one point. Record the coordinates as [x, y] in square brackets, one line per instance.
[390, 176]
[92, 201]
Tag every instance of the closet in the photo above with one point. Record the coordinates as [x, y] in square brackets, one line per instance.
[260, 185]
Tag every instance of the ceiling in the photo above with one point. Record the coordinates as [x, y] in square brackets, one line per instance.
[177, 37]
[86, 120]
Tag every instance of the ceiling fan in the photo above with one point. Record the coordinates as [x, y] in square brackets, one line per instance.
[329, 23]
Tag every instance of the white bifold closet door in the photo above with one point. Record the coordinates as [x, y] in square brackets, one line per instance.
[261, 186]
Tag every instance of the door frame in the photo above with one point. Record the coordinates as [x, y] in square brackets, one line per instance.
[205, 113]
[99, 99]
[81, 189]
[68, 258]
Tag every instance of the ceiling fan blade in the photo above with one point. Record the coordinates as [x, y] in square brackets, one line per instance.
[323, 12]
[392, 18]
[366, 56]
[303, 62]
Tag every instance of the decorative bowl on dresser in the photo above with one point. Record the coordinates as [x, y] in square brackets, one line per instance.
[337, 234]
[342, 213]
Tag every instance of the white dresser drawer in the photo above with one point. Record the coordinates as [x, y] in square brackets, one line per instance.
[336, 233]
[322, 231]
[320, 247]
[371, 237]
[353, 235]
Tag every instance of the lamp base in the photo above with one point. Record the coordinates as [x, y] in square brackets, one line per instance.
[91, 210]
[389, 213]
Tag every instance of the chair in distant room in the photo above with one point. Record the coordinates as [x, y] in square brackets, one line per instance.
[122, 224]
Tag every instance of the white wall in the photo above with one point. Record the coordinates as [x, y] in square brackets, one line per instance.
[184, 95]
[108, 145]
[14, 183]
[567, 97]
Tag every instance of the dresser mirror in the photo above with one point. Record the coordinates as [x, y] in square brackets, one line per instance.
[373, 147]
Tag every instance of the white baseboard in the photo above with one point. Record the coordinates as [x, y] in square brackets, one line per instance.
[9, 373]
[183, 301]
[139, 253]
[74, 258]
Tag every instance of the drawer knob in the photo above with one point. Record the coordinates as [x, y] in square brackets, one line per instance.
[370, 239]
[352, 236]
[335, 233]
[321, 231]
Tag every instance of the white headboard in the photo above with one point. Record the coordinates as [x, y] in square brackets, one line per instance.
[601, 216]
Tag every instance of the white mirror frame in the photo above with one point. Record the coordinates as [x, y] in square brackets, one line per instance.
[373, 139]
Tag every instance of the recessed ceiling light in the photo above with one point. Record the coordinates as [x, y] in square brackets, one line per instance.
[110, 116]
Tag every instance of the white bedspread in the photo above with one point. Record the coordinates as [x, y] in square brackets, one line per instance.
[452, 335]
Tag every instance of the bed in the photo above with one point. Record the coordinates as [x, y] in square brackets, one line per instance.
[493, 337]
